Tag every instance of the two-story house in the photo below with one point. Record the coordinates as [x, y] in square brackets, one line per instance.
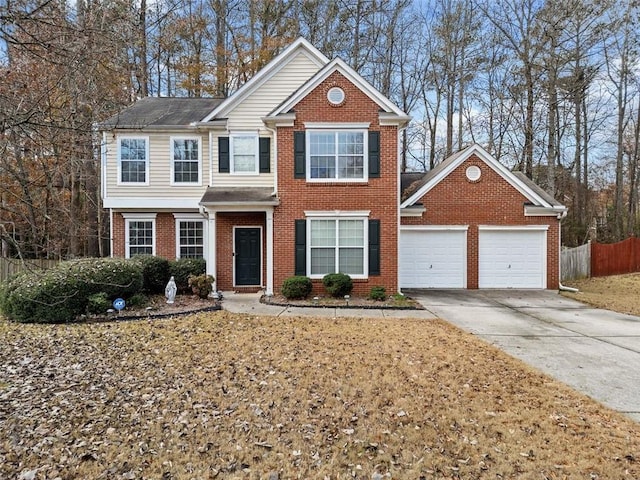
[295, 173]
[298, 173]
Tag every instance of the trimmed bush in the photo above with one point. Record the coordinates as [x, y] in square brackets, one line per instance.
[137, 300]
[62, 293]
[337, 284]
[378, 293]
[155, 273]
[98, 303]
[182, 268]
[296, 287]
[201, 285]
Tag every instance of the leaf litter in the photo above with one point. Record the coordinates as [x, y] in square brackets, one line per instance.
[220, 395]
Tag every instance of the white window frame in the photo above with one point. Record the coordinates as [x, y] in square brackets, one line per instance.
[337, 216]
[190, 217]
[147, 160]
[336, 130]
[173, 160]
[139, 217]
[232, 165]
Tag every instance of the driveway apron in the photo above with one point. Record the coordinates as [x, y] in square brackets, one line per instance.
[594, 351]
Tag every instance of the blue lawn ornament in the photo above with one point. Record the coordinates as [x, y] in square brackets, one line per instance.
[119, 304]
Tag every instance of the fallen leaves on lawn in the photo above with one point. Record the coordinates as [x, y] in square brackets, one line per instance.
[219, 395]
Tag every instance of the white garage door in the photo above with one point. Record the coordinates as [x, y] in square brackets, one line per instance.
[433, 258]
[512, 258]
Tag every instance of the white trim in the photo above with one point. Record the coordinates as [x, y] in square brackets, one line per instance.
[412, 211]
[269, 253]
[267, 72]
[338, 125]
[335, 131]
[256, 155]
[190, 217]
[537, 211]
[210, 254]
[282, 120]
[138, 217]
[513, 227]
[386, 119]
[111, 232]
[103, 166]
[336, 213]
[155, 203]
[210, 157]
[119, 181]
[434, 227]
[233, 246]
[340, 66]
[491, 162]
[365, 247]
[172, 161]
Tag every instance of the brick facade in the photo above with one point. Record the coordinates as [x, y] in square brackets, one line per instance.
[377, 195]
[489, 201]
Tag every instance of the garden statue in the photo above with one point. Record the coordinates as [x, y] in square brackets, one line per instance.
[170, 290]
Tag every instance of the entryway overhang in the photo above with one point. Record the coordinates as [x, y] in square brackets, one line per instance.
[240, 199]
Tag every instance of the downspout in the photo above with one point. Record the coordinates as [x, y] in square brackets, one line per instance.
[275, 158]
[561, 287]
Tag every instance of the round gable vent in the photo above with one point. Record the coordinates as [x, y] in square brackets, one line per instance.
[473, 173]
[335, 96]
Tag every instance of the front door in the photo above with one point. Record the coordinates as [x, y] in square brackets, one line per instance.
[247, 255]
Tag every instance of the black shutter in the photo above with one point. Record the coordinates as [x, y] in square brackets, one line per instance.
[223, 154]
[265, 155]
[374, 154]
[299, 156]
[301, 247]
[374, 247]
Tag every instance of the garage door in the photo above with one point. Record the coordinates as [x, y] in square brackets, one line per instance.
[512, 258]
[433, 258]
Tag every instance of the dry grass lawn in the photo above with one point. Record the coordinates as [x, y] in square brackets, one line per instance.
[219, 395]
[620, 293]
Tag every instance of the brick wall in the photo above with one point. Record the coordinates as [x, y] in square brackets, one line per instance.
[165, 235]
[489, 201]
[378, 195]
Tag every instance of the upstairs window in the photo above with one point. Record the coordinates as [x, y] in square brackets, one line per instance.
[133, 160]
[244, 154]
[185, 161]
[337, 155]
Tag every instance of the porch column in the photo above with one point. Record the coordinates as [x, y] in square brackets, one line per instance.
[210, 254]
[269, 222]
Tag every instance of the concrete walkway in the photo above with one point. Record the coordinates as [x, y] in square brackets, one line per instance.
[596, 352]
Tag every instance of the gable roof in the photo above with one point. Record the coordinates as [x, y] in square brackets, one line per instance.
[298, 47]
[338, 65]
[161, 112]
[536, 195]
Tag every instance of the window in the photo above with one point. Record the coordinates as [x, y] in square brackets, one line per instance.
[337, 155]
[244, 154]
[337, 246]
[140, 234]
[190, 238]
[185, 161]
[133, 160]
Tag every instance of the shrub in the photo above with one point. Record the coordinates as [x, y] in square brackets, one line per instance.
[98, 303]
[62, 293]
[378, 293]
[137, 300]
[338, 284]
[201, 285]
[296, 287]
[182, 268]
[155, 273]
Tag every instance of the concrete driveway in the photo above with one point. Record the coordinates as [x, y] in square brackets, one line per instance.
[595, 351]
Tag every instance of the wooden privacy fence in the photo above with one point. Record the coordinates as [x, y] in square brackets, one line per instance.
[10, 266]
[575, 262]
[615, 258]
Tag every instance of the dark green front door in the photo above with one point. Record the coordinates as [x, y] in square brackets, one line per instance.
[247, 256]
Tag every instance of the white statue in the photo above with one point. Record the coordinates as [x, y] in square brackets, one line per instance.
[170, 290]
